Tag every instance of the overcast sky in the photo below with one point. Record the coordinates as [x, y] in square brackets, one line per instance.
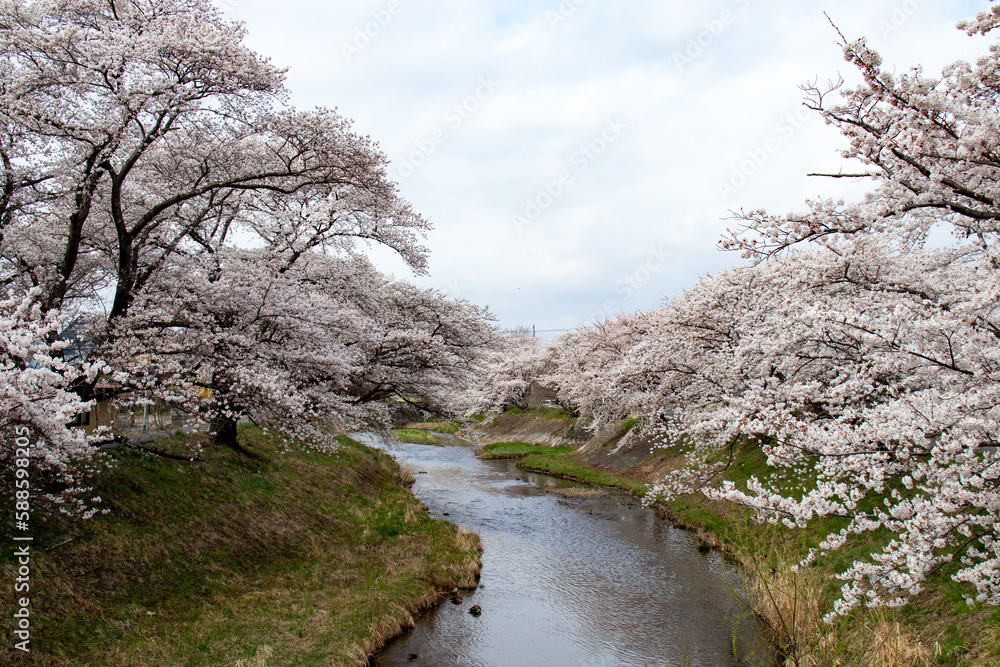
[579, 158]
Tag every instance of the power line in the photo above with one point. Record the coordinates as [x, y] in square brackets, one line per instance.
[535, 331]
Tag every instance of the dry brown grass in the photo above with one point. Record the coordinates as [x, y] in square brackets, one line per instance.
[406, 477]
[984, 655]
[788, 608]
[466, 573]
[891, 646]
[468, 540]
[442, 582]
[264, 653]
[788, 603]
[880, 641]
[298, 558]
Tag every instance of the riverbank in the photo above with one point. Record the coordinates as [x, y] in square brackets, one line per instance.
[568, 573]
[276, 556]
[936, 628]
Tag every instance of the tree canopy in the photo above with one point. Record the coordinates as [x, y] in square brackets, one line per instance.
[862, 357]
[159, 190]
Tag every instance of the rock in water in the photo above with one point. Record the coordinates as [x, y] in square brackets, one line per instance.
[475, 610]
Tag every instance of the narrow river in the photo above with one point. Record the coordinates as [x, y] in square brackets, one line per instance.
[570, 577]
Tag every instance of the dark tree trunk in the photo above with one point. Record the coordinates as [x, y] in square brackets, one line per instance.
[224, 432]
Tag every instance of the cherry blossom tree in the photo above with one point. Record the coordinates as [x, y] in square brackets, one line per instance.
[137, 130]
[420, 347]
[142, 145]
[294, 346]
[585, 361]
[511, 363]
[36, 405]
[897, 393]
[862, 357]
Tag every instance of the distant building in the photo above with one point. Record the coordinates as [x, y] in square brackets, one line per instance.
[104, 412]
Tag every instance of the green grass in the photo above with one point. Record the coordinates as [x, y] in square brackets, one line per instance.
[315, 557]
[951, 632]
[415, 435]
[559, 461]
[625, 425]
[551, 413]
[451, 426]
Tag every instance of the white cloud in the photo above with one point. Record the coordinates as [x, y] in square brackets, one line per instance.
[691, 125]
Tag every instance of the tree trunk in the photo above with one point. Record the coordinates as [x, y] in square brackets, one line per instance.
[224, 432]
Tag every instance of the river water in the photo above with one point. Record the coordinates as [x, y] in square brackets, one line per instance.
[569, 577]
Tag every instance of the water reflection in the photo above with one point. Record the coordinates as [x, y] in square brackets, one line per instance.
[591, 581]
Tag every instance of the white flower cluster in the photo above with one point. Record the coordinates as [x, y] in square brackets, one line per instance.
[145, 148]
[36, 404]
[862, 359]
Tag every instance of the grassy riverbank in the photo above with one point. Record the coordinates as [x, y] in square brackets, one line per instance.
[451, 426]
[282, 555]
[559, 462]
[936, 628]
[415, 435]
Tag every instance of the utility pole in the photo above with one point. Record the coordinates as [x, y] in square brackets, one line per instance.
[532, 330]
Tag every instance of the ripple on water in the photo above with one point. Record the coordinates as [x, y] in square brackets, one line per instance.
[592, 581]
